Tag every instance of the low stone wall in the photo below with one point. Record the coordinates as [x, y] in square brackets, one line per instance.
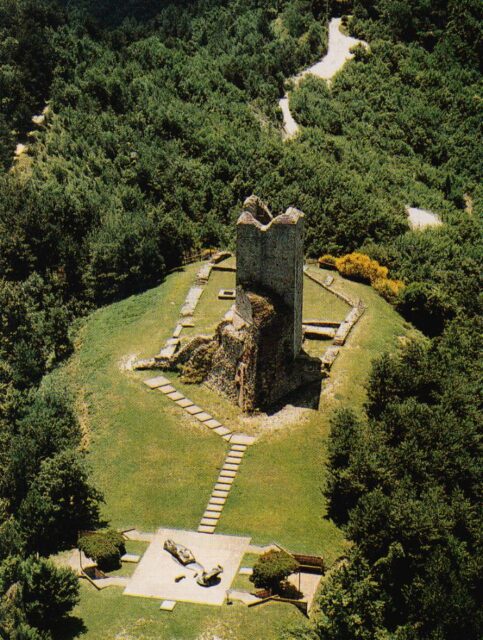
[166, 356]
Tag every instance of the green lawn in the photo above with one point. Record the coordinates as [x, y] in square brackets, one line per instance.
[108, 615]
[156, 466]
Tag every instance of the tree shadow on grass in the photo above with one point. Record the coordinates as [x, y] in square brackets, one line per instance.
[69, 628]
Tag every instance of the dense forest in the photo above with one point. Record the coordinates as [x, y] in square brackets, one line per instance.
[161, 119]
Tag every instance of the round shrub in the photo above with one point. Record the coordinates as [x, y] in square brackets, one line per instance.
[104, 547]
[272, 568]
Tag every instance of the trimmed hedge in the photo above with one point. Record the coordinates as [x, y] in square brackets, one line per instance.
[104, 547]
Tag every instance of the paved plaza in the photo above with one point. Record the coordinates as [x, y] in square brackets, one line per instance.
[156, 574]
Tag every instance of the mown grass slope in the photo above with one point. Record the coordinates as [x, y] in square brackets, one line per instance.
[156, 466]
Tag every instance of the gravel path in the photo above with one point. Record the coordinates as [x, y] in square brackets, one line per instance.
[338, 52]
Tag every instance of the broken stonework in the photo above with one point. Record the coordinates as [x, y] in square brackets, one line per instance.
[256, 357]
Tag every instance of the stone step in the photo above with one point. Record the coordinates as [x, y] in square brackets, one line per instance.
[229, 467]
[167, 388]
[227, 437]
[222, 486]
[158, 381]
[239, 447]
[233, 453]
[224, 480]
[242, 438]
[177, 331]
[203, 416]
[227, 474]
[217, 500]
[206, 528]
[213, 424]
[222, 431]
[214, 515]
[185, 403]
[216, 493]
[232, 461]
[208, 521]
[176, 395]
[214, 507]
[194, 409]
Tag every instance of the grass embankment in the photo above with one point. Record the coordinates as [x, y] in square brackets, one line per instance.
[153, 465]
[108, 615]
[156, 466]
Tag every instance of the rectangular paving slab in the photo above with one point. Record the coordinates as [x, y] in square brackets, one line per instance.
[205, 528]
[219, 494]
[222, 431]
[175, 395]
[227, 474]
[167, 605]
[177, 331]
[238, 447]
[154, 383]
[217, 500]
[130, 557]
[241, 438]
[214, 507]
[229, 467]
[209, 521]
[167, 388]
[212, 424]
[222, 486]
[236, 454]
[203, 416]
[215, 515]
[232, 461]
[225, 480]
[194, 409]
[185, 403]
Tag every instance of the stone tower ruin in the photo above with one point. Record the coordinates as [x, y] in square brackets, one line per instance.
[270, 257]
[256, 356]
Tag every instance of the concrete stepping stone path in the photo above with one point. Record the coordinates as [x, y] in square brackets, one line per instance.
[239, 442]
[158, 381]
[221, 490]
[167, 388]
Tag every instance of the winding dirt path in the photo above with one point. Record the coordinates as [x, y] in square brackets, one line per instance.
[338, 53]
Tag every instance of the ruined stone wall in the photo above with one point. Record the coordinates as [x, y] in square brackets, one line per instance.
[270, 258]
[255, 357]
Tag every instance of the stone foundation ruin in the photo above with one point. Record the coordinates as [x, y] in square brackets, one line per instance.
[255, 357]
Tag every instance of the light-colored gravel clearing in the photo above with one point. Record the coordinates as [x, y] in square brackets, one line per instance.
[422, 218]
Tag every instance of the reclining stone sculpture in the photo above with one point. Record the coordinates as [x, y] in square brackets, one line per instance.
[180, 552]
[207, 578]
[185, 556]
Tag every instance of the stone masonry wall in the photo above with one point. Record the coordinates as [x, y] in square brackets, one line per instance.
[270, 258]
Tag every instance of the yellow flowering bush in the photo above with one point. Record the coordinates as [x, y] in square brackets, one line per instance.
[359, 266]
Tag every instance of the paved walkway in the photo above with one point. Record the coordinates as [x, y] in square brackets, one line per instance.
[338, 53]
[239, 442]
